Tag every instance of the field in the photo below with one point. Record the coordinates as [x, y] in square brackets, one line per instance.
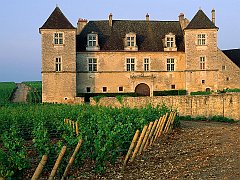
[35, 94]
[6, 91]
[29, 131]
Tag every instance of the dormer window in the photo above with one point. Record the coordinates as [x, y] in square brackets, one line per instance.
[170, 42]
[130, 42]
[92, 42]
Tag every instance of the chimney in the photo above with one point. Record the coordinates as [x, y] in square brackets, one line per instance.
[110, 19]
[147, 17]
[213, 16]
[181, 17]
[80, 25]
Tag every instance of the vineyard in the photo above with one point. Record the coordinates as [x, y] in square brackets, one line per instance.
[6, 91]
[30, 131]
[35, 93]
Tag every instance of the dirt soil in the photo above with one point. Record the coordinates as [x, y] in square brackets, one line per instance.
[199, 150]
[21, 92]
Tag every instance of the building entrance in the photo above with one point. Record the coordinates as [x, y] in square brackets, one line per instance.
[142, 90]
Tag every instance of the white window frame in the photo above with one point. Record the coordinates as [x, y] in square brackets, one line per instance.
[201, 39]
[146, 64]
[58, 38]
[170, 64]
[92, 42]
[131, 42]
[92, 66]
[58, 64]
[131, 64]
[202, 60]
[170, 41]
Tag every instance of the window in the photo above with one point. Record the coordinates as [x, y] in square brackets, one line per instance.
[202, 62]
[58, 38]
[130, 42]
[120, 88]
[88, 89]
[173, 86]
[104, 89]
[92, 64]
[203, 81]
[227, 79]
[201, 39]
[58, 64]
[92, 42]
[130, 64]
[170, 41]
[170, 64]
[223, 68]
[146, 64]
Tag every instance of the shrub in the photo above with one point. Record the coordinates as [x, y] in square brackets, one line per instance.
[169, 93]
[200, 93]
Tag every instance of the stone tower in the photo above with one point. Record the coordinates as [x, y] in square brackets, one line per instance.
[58, 59]
[201, 50]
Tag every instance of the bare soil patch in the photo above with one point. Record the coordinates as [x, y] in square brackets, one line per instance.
[20, 95]
[199, 150]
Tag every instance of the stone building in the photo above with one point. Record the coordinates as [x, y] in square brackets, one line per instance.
[133, 56]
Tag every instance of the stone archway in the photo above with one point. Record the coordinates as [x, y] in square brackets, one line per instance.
[142, 89]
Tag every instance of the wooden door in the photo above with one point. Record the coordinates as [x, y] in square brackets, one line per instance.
[142, 90]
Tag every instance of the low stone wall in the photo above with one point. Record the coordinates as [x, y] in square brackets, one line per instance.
[227, 105]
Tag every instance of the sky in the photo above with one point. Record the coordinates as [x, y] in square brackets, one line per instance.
[20, 20]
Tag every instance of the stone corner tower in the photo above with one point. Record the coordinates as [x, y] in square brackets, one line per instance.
[201, 53]
[58, 59]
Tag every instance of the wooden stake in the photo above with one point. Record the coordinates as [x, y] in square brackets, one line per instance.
[39, 169]
[150, 135]
[76, 125]
[161, 125]
[139, 143]
[131, 148]
[168, 123]
[145, 138]
[72, 159]
[155, 131]
[57, 163]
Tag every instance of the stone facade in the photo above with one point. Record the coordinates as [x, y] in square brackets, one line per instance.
[197, 67]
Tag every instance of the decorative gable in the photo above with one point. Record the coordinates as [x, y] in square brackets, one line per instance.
[170, 42]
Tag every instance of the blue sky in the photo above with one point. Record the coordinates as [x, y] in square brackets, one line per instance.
[20, 41]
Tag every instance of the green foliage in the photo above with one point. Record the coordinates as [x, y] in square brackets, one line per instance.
[97, 98]
[169, 93]
[35, 93]
[200, 93]
[231, 90]
[6, 91]
[106, 94]
[120, 98]
[106, 132]
[202, 118]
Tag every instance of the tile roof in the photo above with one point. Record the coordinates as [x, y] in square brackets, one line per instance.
[234, 55]
[57, 20]
[149, 34]
[201, 21]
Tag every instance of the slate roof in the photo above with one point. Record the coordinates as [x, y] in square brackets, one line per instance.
[234, 55]
[57, 20]
[201, 21]
[149, 34]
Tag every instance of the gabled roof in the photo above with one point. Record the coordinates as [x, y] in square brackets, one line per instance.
[201, 21]
[234, 55]
[150, 34]
[57, 20]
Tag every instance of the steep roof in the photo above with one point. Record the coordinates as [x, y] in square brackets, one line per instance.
[234, 55]
[150, 34]
[201, 21]
[57, 20]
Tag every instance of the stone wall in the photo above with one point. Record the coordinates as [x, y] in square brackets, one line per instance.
[227, 105]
